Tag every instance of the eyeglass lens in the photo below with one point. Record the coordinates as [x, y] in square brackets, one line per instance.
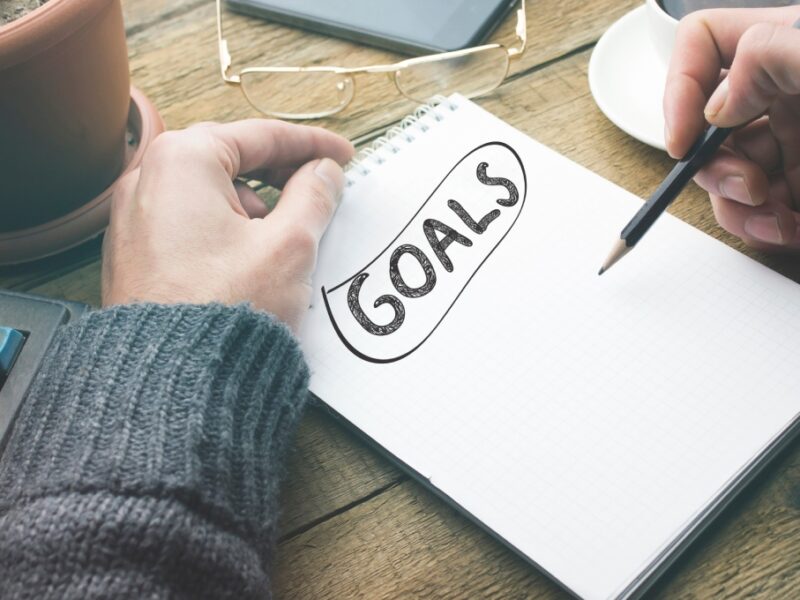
[308, 94]
[471, 75]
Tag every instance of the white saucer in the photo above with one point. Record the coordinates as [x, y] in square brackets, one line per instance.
[627, 78]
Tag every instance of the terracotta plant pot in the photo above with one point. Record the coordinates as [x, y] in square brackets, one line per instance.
[64, 105]
[90, 219]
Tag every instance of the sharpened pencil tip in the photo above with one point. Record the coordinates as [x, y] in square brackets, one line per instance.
[619, 250]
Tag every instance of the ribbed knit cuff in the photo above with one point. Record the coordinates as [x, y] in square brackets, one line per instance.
[195, 403]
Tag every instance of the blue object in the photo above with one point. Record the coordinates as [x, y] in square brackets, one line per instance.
[28, 322]
[11, 342]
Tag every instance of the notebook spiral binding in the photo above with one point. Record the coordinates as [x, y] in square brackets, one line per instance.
[360, 163]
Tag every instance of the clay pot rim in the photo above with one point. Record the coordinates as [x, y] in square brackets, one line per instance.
[91, 219]
[45, 27]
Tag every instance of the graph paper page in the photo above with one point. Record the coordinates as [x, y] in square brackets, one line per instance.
[586, 420]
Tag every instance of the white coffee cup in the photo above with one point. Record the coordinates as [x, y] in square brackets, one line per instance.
[662, 28]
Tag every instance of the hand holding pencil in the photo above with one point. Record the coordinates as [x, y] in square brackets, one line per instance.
[753, 179]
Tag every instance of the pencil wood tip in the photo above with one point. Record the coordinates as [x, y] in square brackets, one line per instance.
[619, 250]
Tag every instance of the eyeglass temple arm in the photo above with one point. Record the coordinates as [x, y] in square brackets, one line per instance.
[224, 55]
[521, 31]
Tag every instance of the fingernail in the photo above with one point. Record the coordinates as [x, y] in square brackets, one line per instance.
[667, 135]
[764, 227]
[717, 99]
[735, 188]
[331, 173]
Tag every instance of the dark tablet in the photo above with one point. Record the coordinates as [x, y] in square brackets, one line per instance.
[409, 26]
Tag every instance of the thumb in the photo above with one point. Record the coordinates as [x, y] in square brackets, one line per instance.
[765, 65]
[310, 198]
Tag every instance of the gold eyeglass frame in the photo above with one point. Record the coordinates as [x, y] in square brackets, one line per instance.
[392, 70]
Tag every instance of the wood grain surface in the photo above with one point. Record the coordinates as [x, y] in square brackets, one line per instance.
[353, 526]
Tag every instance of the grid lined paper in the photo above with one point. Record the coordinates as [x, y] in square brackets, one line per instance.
[586, 420]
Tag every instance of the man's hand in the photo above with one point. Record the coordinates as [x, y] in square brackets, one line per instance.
[182, 230]
[754, 181]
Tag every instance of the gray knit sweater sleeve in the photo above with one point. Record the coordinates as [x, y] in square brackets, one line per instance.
[146, 457]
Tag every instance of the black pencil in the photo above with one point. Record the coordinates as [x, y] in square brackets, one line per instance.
[702, 150]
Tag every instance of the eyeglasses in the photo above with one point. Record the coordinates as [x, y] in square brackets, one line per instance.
[274, 90]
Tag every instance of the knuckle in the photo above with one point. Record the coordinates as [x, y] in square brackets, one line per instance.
[754, 54]
[694, 21]
[166, 148]
[165, 143]
[695, 25]
[757, 38]
[297, 241]
[196, 145]
[177, 147]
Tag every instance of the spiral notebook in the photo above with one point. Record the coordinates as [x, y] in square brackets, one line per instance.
[593, 424]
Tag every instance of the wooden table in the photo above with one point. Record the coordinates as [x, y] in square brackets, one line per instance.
[353, 526]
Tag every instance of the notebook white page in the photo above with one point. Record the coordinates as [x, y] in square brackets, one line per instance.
[586, 420]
